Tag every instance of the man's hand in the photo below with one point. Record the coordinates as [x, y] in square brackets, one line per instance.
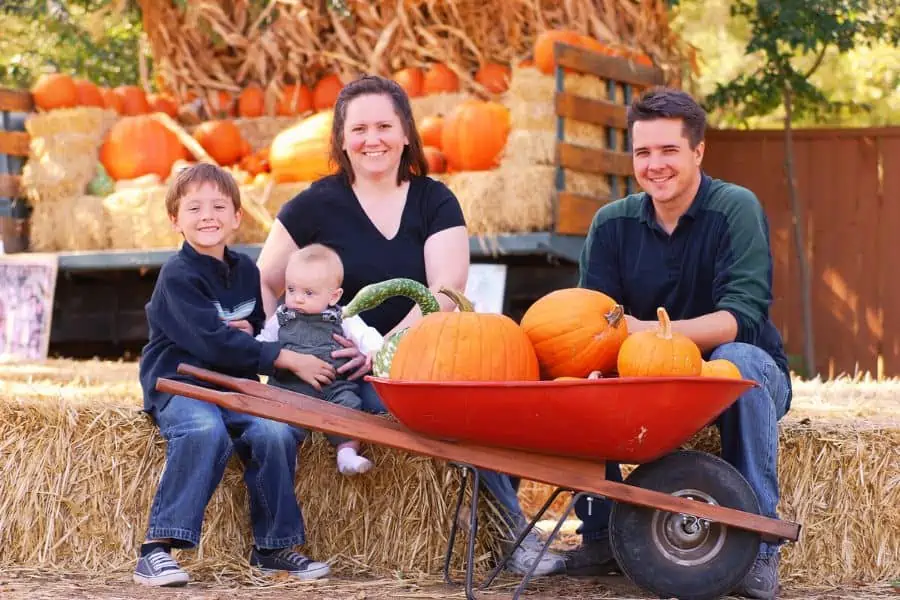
[358, 360]
[242, 324]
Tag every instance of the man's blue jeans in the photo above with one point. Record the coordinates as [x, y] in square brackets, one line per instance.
[501, 486]
[200, 439]
[749, 432]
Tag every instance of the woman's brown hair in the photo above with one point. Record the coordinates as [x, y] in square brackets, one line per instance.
[412, 160]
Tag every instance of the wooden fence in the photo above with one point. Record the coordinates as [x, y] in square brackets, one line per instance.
[849, 187]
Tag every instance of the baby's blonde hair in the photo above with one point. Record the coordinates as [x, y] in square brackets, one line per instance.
[318, 254]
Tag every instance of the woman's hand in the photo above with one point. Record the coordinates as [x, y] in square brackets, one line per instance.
[242, 324]
[314, 371]
[357, 360]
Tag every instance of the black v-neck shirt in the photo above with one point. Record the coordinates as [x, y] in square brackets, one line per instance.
[329, 213]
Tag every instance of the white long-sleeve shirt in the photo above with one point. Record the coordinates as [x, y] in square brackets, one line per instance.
[366, 338]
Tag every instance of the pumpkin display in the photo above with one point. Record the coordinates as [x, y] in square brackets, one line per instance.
[134, 100]
[294, 100]
[222, 140]
[430, 130]
[575, 331]
[720, 367]
[88, 93]
[162, 103]
[437, 162]
[412, 80]
[440, 78]
[659, 353]
[251, 102]
[474, 135]
[326, 91]
[301, 152]
[494, 77]
[140, 145]
[54, 90]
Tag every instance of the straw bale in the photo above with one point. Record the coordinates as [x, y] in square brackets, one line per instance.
[138, 219]
[75, 223]
[89, 514]
[260, 131]
[269, 196]
[436, 104]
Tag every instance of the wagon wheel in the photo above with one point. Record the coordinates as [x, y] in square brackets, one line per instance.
[675, 555]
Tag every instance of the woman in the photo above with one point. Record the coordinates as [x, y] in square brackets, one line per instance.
[386, 219]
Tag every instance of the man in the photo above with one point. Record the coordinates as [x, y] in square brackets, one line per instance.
[700, 248]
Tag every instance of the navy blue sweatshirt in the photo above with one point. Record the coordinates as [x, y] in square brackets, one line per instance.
[194, 295]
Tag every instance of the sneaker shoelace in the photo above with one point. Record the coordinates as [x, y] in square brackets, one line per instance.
[161, 561]
[293, 558]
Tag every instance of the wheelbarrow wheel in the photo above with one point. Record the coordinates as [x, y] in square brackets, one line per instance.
[675, 555]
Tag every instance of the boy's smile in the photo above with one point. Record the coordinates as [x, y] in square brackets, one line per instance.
[206, 218]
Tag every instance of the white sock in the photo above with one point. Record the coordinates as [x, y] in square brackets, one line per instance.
[351, 463]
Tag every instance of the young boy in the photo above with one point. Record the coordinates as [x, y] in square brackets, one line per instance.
[206, 300]
[307, 322]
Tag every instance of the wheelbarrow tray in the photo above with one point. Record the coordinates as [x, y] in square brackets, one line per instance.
[628, 420]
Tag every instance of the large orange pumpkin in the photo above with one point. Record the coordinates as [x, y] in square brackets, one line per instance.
[301, 152]
[326, 91]
[439, 78]
[659, 353]
[88, 93]
[543, 46]
[575, 331]
[251, 102]
[474, 135]
[720, 367]
[134, 100]
[412, 80]
[464, 346]
[140, 145]
[430, 130]
[494, 77]
[294, 100]
[222, 140]
[54, 90]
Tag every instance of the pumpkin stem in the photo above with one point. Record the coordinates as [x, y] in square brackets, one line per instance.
[462, 303]
[375, 293]
[616, 316]
[665, 325]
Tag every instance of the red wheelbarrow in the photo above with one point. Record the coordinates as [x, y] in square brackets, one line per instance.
[684, 524]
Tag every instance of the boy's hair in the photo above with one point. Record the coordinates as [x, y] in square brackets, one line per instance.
[321, 254]
[197, 175]
[669, 103]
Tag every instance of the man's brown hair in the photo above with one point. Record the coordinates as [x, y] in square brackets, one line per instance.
[197, 175]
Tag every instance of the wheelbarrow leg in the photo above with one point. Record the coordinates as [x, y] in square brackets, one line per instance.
[473, 528]
[537, 517]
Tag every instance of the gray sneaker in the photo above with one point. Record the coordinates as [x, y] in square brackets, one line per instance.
[158, 568]
[762, 580]
[286, 560]
[522, 559]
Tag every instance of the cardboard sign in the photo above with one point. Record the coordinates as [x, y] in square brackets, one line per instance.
[486, 287]
[27, 287]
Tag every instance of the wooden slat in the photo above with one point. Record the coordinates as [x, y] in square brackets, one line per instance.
[14, 143]
[593, 160]
[574, 212]
[588, 110]
[15, 100]
[607, 67]
[10, 186]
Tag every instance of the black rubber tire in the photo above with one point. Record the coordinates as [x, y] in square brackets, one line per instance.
[642, 538]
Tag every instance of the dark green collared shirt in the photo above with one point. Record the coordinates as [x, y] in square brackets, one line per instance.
[717, 258]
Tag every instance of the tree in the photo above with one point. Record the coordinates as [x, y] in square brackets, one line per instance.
[782, 31]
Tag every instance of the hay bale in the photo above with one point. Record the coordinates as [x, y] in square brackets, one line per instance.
[75, 223]
[436, 104]
[86, 463]
[137, 219]
[260, 132]
[839, 467]
[269, 196]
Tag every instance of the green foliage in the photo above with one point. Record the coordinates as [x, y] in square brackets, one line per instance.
[88, 38]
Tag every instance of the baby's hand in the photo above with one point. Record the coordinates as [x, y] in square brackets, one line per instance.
[242, 324]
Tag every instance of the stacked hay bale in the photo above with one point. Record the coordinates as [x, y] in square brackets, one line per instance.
[81, 462]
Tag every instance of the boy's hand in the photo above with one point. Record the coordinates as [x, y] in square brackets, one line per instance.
[312, 370]
[358, 360]
[242, 324]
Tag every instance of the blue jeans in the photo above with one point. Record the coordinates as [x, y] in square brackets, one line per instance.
[501, 486]
[200, 438]
[749, 432]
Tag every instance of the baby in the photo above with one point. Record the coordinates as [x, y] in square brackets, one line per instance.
[307, 322]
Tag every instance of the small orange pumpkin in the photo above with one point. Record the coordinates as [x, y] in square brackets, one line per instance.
[88, 93]
[111, 100]
[412, 80]
[430, 130]
[301, 152]
[474, 135]
[251, 102]
[134, 100]
[543, 47]
[222, 140]
[575, 331]
[294, 100]
[162, 103]
[494, 77]
[720, 367]
[326, 91]
[439, 78]
[54, 90]
[660, 353]
[140, 145]
[437, 162]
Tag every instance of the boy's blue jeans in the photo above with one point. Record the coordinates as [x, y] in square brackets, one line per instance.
[749, 432]
[200, 439]
[501, 486]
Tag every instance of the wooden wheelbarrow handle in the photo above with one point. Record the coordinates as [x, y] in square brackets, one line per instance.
[575, 474]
